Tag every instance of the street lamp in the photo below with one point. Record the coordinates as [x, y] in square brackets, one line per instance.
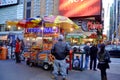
[71, 29]
[9, 26]
[19, 28]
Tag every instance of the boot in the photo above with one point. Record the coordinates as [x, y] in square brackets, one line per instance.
[64, 79]
[105, 78]
[54, 78]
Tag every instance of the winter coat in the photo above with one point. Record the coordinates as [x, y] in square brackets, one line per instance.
[60, 50]
[104, 60]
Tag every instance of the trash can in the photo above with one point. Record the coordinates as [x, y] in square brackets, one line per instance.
[77, 62]
[3, 53]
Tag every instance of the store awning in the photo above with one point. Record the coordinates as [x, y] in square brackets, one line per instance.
[74, 35]
[88, 33]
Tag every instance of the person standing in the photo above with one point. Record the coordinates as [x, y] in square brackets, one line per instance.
[93, 56]
[87, 51]
[60, 50]
[104, 60]
[17, 50]
[22, 46]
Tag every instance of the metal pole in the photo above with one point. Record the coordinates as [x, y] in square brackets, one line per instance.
[42, 34]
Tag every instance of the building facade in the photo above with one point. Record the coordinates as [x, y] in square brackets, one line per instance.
[34, 8]
[112, 27]
[13, 11]
[115, 20]
[10, 12]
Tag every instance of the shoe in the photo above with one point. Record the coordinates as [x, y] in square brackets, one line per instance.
[95, 69]
[90, 69]
[64, 79]
[54, 78]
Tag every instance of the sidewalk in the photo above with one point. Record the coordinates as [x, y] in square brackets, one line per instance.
[23, 72]
[84, 75]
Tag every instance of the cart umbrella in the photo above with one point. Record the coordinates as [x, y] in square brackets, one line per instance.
[59, 21]
[29, 22]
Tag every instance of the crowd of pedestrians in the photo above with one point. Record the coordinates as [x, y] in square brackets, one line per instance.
[96, 57]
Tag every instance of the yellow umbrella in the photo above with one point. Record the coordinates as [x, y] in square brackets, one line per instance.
[11, 23]
[60, 21]
[63, 19]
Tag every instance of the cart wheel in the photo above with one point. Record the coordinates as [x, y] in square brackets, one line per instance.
[35, 64]
[46, 66]
[27, 62]
[30, 64]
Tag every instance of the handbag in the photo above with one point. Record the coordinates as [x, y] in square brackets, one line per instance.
[103, 65]
[107, 57]
[100, 65]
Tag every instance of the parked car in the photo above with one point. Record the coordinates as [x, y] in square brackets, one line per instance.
[114, 50]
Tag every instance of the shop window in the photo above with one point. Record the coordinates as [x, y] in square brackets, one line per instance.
[0, 27]
[7, 29]
[28, 4]
[28, 13]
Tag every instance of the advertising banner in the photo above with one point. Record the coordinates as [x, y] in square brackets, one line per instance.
[80, 8]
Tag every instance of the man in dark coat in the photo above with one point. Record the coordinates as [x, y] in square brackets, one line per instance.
[93, 56]
[87, 51]
[60, 50]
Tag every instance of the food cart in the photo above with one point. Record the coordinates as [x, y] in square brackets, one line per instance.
[39, 39]
[40, 47]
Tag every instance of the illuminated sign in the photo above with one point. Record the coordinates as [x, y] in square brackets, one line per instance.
[90, 26]
[45, 30]
[80, 8]
[8, 2]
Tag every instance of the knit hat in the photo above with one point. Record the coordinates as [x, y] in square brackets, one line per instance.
[61, 37]
[102, 45]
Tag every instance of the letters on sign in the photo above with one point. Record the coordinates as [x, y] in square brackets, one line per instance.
[45, 30]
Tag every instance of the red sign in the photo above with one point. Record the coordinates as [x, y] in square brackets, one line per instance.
[80, 8]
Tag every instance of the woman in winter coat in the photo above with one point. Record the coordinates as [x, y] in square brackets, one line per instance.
[104, 60]
[17, 50]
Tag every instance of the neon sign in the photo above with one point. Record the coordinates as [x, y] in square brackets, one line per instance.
[45, 30]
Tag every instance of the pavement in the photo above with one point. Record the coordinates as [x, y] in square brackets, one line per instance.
[9, 70]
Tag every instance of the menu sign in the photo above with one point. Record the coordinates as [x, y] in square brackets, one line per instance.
[7, 2]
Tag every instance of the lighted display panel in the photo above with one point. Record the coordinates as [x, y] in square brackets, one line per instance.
[46, 30]
[8, 2]
[80, 8]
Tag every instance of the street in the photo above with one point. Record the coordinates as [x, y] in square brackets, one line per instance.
[9, 70]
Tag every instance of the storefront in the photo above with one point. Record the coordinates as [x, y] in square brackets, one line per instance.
[87, 17]
[75, 38]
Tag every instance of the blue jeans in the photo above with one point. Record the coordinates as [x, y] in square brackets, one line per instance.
[86, 62]
[60, 65]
